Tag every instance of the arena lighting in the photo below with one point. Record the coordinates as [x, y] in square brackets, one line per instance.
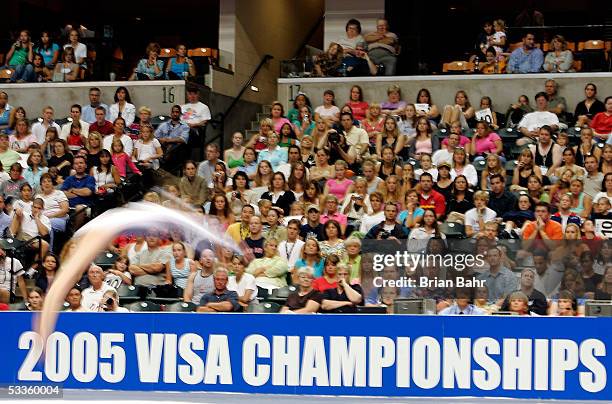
[255, 89]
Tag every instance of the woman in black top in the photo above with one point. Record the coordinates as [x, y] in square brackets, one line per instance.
[62, 158]
[461, 199]
[587, 108]
[279, 193]
[444, 182]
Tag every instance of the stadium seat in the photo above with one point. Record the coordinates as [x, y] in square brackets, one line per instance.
[6, 74]
[143, 306]
[458, 66]
[508, 134]
[480, 165]
[158, 120]
[510, 165]
[105, 259]
[280, 295]
[266, 307]
[416, 164]
[263, 293]
[180, 307]
[167, 53]
[128, 293]
[593, 44]
[452, 230]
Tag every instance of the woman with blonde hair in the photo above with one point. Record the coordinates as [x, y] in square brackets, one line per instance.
[524, 169]
[390, 136]
[493, 166]
[373, 124]
[319, 133]
[392, 192]
[462, 166]
[260, 140]
[559, 59]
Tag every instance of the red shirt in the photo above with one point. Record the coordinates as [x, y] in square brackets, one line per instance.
[602, 123]
[360, 108]
[434, 201]
[105, 129]
[321, 284]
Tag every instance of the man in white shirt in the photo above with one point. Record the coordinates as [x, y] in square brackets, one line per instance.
[6, 287]
[92, 296]
[548, 274]
[377, 216]
[195, 113]
[39, 129]
[445, 155]
[89, 111]
[356, 138]
[533, 121]
[291, 249]
[27, 225]
[477, 217]
[75, 114]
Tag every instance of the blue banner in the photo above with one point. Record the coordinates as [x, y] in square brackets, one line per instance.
[366, 355]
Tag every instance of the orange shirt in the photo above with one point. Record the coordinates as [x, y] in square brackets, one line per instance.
[553, 229]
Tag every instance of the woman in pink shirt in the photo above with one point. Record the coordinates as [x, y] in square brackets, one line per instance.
[278, 116]
[121, 160]
[484, 141]
[339, 185]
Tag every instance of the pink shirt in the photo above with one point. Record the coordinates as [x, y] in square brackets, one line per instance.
[338, 217]
[487, 144]
[360, 108]
[122, 161]
[338, 189]
[463, 140]
[279, 123]
[424, 146]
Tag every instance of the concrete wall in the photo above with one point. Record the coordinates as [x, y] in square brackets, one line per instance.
[338, 12]
[158, 95]
[503, 89]
[275, 27]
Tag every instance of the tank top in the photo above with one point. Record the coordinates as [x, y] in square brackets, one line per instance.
[180, 275]
[102, 178]
[201, 286]
[580, 206]
[382, 175]
[580, 156]
[423, 146]
[544, 159]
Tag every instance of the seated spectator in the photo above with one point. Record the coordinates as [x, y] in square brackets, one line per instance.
[313, 226]
[12, 186]
[602, 122]
[19, 57]
[527, 58]
[273, 153]
[221, 299]
[180, 67]
[5, 219]
[493, 62]
[493, 165]
[147, 268]
[344, 297]
[389, 228]
[412, 216]
[151, 67]
[239, 231]
[13, 276]
[147, 150]
[357, 203]
[419, 236]
[407, 126]
[461, 166]
[556, 103]
[74, 300]
[352, 37]
[559, 59]
[220, 210]
[75, 114]
[589, 107]
[48, 50]
[269, 271]
[328, 110]
[384, 46]
[373, 124]
[333, 243]
[193, 186]
[543, 228]
[463, 305]
[567, 305]
[35, 299]
[75, 139]
[531, 122]
[68, 69]
[110, 303]
[461, 111]
[79, 188]
[279, 193]
[255, 240]
[101, 125]
[424, 141]
[92, 296]
[429, 198]
[306, 299]
[358, 106]
[201, 281]
[427, 108]
[516, 111]
[569, 163]
[119, 273]
[329, 63]
[56, 205]
[195, 113]
[106, 175]
[173, 137]
[80, 49]
[22, 138]
[339, 185]
[394, 104]
[89, 111]
[234, 156]
[500, 281]
[61, 159]
[484, 142]
[119, 134]
[179, 267]
[121, 160]
[329, 278]
[390, 137]
[242, 283]
[40, 73]
[519, 304]
[359, 64]
[476, 217]
[277, 114]
[122, 108]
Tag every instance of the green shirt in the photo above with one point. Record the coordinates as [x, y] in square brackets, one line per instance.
[8, 158]
[20, 57]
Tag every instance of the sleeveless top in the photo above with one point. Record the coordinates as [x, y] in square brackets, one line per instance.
[180, 275]
[580, 206]
[423, 146]
[201, 286]
[580, 156]
[544, 159]
[232, 163]
[102, 178]
[382, 175]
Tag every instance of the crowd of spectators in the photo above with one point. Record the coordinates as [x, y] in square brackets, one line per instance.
[43, 60]
[376, 53]
[307, 197]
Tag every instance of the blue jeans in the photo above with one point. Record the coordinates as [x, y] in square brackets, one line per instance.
[23, 72]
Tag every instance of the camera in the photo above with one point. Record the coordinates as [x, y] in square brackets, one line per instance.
[236, 194]
[217, 174]
[384, 234]
[333, 137]
[358, 197]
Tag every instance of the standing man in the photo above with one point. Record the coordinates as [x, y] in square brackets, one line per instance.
[196, 115]
[75, 114]
[39, 129]
[89, 111]
[173, 136]
[526, 59]
[383, 46]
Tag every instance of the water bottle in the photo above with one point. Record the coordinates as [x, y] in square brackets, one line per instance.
[343, 70]
[476, 62]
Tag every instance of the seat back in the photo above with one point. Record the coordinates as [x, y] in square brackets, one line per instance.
[6, 73]
[180, 307]
[592, 44]
[144, 307]
[128, 291]
[458, 66]
[577, 65]
[452, 230]
[266, 307]
[167, 53]
[203, 52]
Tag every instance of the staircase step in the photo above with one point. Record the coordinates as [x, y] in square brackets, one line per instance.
[267, 109]
[262, 115]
